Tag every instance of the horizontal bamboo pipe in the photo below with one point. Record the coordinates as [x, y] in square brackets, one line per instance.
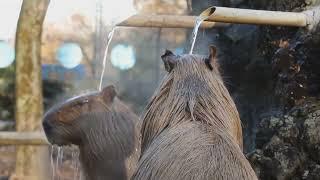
[259, 17]
[166, 21]
[22, 138]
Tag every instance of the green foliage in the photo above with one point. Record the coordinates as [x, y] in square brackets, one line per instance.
[7, 78]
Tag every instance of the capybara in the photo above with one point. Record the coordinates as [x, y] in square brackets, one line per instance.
[191, 128]
[105, 130]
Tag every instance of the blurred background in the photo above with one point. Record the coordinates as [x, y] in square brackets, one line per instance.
[271, 72]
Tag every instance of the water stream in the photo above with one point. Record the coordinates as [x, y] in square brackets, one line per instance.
[198, 22]
[75, 164]
[57, 163]
[52, 162]
[110, 36]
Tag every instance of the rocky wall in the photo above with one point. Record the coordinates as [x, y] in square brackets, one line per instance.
[273, 74]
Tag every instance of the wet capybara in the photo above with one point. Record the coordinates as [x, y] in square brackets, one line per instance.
[105, 130]
[191, 128]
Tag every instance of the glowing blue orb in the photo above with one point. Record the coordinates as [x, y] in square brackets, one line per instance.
[69, 55]
[123, 57]
[179, 51]
[6, 54]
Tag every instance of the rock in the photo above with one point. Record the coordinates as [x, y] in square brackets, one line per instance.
[263, 166]
[287, 156]
[277, 160]
[289, 132]
[267, 129]
[289, 144]
[312, 135]
[239, 31]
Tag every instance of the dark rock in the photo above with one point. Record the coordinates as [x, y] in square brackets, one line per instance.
[312, 173]
[288, 145]
[311, 135]
[274, 71]
[240, 31]
[287, 156]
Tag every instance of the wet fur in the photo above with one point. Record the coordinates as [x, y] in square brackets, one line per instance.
[191, 128]
[105, 130]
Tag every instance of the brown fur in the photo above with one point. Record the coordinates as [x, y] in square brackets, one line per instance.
[105, 130]
[191, 128]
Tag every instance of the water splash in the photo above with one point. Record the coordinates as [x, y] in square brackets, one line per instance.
[110, 36]
[80, 176]
[75, 164]
[57, 163]
[198, 22]
[52, 162]
[60, 158]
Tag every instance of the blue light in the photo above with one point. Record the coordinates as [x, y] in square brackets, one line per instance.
[69, 55]
[179, 51]
[123, 57]
[7, 54]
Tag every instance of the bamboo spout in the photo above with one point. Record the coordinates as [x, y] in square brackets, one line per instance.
[259, 17]
[166, 21]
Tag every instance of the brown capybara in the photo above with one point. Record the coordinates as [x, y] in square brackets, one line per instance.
[104, 129]
[191, 128]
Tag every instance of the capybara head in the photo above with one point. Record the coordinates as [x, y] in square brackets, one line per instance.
[71, 121]
[192, 89]
[104, 129]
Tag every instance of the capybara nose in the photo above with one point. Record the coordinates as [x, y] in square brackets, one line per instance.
[46, 127]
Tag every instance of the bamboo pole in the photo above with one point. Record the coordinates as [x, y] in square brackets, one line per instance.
[166, 21]
[23, 138]
[259, 17]
[31, 162]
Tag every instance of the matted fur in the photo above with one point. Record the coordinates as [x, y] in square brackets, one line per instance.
[191, 128]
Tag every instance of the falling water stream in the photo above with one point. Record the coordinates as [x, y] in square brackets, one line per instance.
[52, 162]
[198, 22]
[57, 163]
[110, 36]
[56, 160]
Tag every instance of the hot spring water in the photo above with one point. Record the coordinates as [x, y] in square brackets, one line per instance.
[58, 161]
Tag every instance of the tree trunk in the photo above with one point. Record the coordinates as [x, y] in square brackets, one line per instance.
[29, 101]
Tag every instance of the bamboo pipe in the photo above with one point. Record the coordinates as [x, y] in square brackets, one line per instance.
[166, 21]
[23, 138]
[259, 17]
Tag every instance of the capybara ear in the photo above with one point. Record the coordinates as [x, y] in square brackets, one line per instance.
[108, 93]
[169, 59]
[210, 61]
